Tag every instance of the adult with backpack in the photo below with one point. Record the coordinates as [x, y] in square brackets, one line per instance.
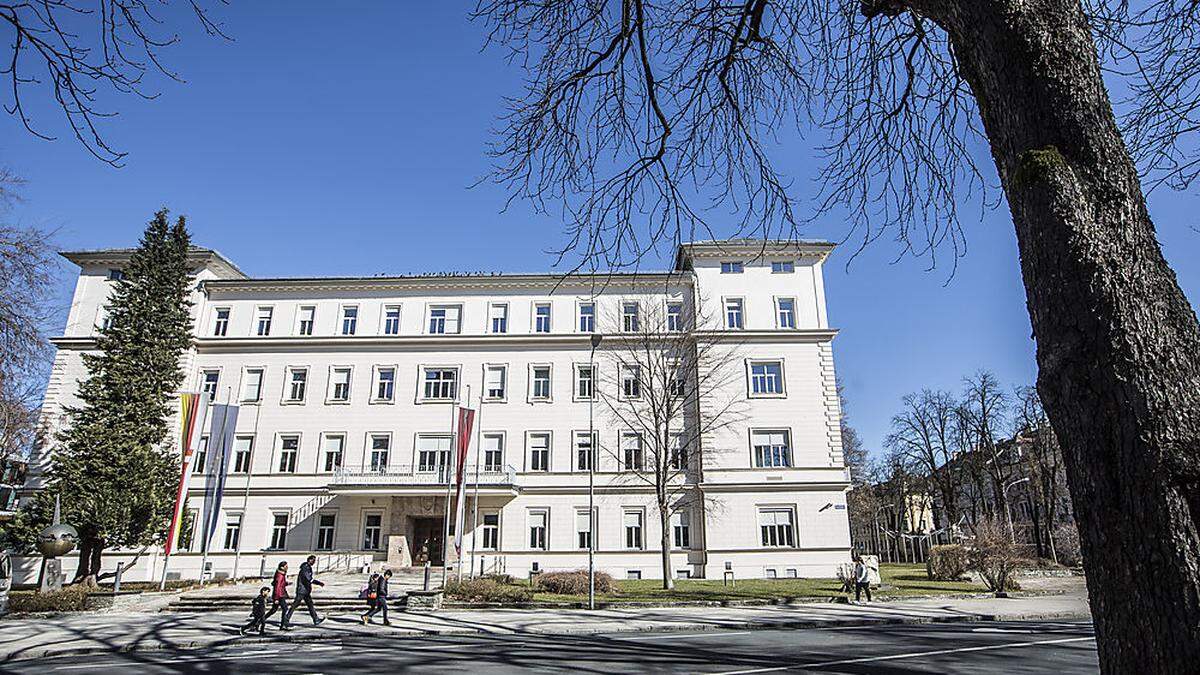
[304, 586]
[279, 596]
[376, 594]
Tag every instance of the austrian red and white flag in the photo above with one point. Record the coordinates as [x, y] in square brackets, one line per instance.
[466, 418]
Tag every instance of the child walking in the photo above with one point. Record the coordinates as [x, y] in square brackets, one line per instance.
[258, 612]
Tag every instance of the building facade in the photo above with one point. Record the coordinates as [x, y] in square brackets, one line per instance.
[347, 389]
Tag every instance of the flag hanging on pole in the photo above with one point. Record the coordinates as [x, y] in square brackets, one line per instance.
[466, 417]
[193, 408]
[220, 447]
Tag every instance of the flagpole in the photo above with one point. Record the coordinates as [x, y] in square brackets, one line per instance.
[162, 584]
[475, 502]
[206, 537]
[237, 553]
[449, 490]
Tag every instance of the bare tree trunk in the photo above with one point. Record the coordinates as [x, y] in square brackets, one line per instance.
[664, 519]
[1117, 341]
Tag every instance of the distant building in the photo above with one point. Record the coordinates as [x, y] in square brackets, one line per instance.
[12, 479]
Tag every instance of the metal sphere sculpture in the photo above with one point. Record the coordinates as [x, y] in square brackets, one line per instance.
[57, 540]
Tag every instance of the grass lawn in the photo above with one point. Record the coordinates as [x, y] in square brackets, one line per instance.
[904, 581]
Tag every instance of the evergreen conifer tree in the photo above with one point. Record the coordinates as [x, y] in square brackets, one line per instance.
[116, 465]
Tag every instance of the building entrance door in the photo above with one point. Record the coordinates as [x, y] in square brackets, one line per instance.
[427, 541]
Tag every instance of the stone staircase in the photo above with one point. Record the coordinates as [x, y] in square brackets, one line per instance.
[339, 594]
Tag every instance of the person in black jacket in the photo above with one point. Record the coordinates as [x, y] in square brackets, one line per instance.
[304, 584]
[378, 588]
[258, 612]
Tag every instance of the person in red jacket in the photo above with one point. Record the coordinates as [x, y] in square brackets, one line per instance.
[279, 596]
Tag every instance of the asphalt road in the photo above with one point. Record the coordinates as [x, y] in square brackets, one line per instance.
[1062, 648]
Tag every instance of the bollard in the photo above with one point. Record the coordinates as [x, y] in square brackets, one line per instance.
[426, 575]
[117, 580]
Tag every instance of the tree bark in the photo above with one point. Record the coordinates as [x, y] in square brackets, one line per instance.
[1117, 341]
[664, 518]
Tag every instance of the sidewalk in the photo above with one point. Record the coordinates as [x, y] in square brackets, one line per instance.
[102, 633]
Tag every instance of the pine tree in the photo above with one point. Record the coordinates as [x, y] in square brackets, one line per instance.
[115, 465]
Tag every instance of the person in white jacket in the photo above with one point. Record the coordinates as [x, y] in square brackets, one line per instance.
[862, 579]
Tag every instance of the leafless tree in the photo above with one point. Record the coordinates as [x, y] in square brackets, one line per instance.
[924, 433]
[983, 411]
[642, 119]
[1042, 458]
[853, 450]
[664, 387]
[77, 52]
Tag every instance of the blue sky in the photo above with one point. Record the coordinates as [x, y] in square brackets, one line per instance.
[346, 143]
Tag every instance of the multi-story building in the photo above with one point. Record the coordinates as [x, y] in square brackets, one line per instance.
[347, 388]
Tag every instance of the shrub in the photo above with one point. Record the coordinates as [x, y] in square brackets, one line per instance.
[994, 556]
[69, 599]
[573, 583]
[947, 562]
[1066, 545]
[487, 590]
[503, 579]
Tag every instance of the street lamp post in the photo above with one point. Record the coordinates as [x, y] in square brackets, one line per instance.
[592, 480]
[1012, 535]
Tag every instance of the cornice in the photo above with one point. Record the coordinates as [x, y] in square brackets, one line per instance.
[587, 284]
[803, 335]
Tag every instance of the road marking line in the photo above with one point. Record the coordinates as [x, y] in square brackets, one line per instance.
[715, 633]
[909, 655]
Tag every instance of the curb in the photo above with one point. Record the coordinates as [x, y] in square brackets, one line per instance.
[400, 633]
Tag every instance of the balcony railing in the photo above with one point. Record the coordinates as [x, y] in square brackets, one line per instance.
[421, 476]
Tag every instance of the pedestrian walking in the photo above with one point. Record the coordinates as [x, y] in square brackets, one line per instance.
[862, 579]
[258, 612]
[377, 597]
[279, 596]
[304, 584]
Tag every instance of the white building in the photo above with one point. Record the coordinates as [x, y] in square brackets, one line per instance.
[346, 388]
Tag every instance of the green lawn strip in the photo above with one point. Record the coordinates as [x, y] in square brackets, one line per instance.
[902, 580]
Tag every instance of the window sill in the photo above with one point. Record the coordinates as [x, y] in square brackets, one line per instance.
[287, 402]
[382, 401]
[336, 402]
[767, 396]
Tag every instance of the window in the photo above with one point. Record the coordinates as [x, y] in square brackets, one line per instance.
[381, 444]
[731, 267]
[200, 459]
[498, 312]
[539, 452]
[335, 446]
[494, 380]
[252, 385]
[583, 529]
[372, 527]
[493, 452]
[776, 527]
[263, 323]
[444, 319]
[279, 529]
[433, 454]
[115, 275]
[211, 379]
[585, 450]
[629, 317]
[233, 530]
[675, 316]
[677, 384]
[585, 382]
[385, 384]
[631, 451]
[787, 312]
[221, 322]
[587, 317]
[297, 384]
[681, 530]
[766, 378]
[537, 529]
[326, 525]
[679, 453]
[349, 320]
[289, 449]
[631, 383]
[339, 385]
[633, 529]
[771, 448]
[391, 319]
[441, 384]
[491, 531]
[541, 317]
[540, 383]
[633, 575]
[306, 317]
[783, 266]
[242, 447]
[733, 313]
